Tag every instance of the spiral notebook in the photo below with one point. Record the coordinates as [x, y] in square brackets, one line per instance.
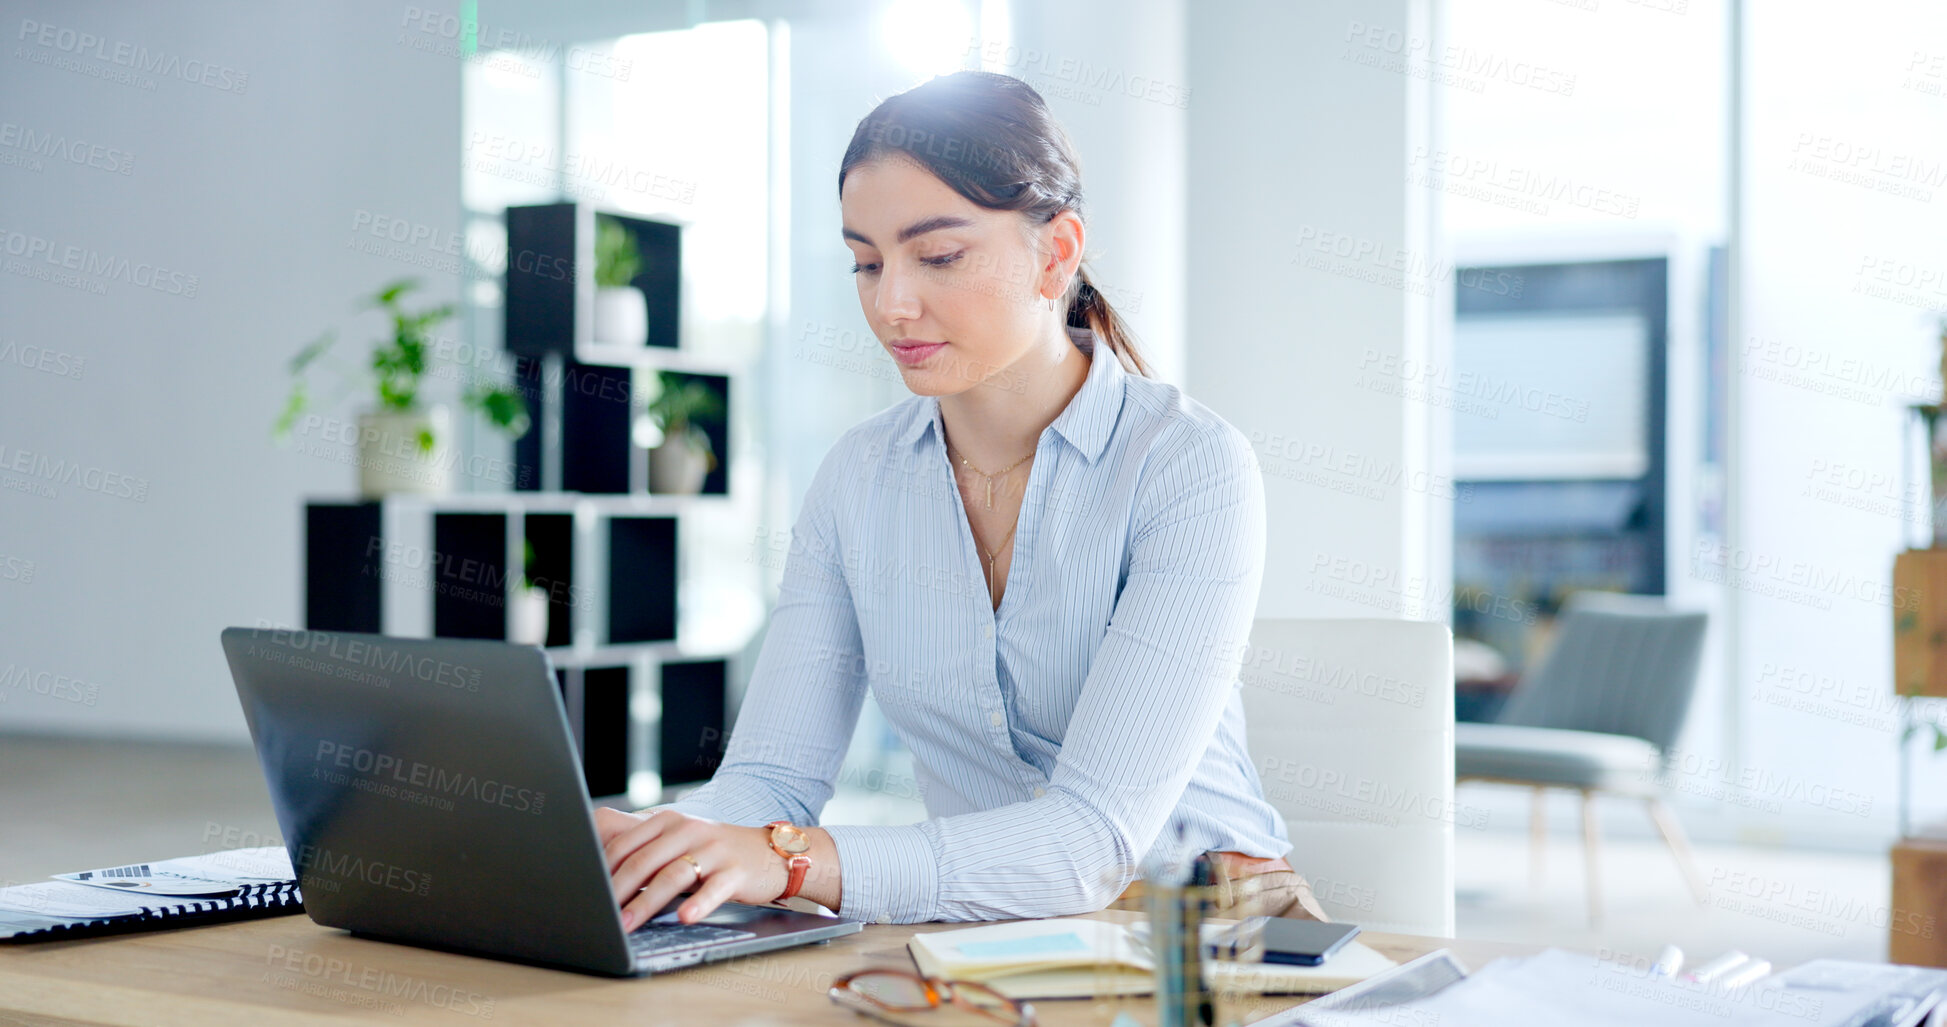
[219, 887]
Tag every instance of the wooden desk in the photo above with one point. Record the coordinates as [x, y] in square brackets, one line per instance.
[288, 970]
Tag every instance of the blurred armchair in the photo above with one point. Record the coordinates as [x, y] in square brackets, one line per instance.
[1599, 715]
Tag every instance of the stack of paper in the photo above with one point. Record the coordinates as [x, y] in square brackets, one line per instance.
[1559, 987]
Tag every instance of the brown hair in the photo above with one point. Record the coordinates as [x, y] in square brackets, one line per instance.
[991, 139]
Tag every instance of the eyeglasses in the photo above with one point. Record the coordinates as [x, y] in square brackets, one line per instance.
[875, 993]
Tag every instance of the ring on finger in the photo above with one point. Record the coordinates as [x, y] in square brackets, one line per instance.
[694, 865]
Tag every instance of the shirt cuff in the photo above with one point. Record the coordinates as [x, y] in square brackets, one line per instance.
[888, 875]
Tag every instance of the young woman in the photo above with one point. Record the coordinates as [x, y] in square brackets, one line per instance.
[1044, 565]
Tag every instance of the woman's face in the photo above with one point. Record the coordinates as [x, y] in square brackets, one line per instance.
[955, 292]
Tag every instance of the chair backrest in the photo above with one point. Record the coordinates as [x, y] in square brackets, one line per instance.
[1618, 664]
[1350, 724]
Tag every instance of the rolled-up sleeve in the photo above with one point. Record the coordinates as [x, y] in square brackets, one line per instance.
[802, 703]
[1149, 708]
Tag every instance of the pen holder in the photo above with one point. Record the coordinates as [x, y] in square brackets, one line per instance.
[1176, 914]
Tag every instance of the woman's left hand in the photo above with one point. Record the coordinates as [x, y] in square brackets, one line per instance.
[647, 868]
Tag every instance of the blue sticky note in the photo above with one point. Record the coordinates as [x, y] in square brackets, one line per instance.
[1040, 945]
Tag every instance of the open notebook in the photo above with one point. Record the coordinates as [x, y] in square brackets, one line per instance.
[1082, 958]
[239, 884]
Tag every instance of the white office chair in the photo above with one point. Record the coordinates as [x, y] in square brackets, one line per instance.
[1350, 724]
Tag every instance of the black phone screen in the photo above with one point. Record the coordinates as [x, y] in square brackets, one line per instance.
[1303, 942]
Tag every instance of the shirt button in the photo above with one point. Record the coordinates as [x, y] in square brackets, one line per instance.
[997, 718]
[987, 631]
[1039, 792]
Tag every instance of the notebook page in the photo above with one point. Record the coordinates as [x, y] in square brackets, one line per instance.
[67, 899]
[217, 873]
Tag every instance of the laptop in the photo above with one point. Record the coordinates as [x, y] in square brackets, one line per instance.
[429, 793]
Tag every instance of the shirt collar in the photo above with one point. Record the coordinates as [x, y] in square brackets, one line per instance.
[1086, 422]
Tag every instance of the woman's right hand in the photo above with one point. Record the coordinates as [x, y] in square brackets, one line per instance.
[657, 854]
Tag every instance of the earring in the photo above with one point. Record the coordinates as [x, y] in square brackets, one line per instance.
[1051, 303]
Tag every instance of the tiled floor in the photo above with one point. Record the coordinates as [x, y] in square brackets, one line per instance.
[69, 804]
[1783, 906]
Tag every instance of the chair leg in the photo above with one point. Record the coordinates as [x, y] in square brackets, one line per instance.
[1672, 831]
[1591, 843]
[1537, 838]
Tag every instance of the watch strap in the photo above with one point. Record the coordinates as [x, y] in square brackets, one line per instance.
[796, 863]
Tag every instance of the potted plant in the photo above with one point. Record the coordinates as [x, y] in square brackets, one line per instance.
[621, 310]
[527, 604]
[680, 455]
[403, 445]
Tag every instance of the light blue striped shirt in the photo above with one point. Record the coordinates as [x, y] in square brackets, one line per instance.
[1058, 739]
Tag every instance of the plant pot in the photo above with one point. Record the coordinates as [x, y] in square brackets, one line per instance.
[621, 317]
[527, 616]
[679, 465]
[1919, 902]
[389, 457]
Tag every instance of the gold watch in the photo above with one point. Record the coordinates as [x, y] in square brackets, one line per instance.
[790, 841]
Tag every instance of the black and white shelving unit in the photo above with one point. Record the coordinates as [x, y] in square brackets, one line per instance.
[645, 689]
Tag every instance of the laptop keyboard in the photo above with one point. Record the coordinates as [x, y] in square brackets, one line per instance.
[656, 939]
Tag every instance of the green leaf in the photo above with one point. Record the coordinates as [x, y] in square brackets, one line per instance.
[312, 351]
[425, 440]
[391, 293]
[681, 401]
[503, 407]
[1939, 738]
[617, 261]
[292, 407]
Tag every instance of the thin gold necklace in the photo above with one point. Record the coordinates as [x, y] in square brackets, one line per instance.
[968, 464]
[990, 558]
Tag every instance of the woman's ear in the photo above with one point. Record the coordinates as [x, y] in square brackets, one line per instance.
[1067, 238]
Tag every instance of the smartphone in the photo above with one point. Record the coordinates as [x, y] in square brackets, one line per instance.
[1303, 942]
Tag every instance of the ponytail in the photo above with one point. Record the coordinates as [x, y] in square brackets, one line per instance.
[1088, 308]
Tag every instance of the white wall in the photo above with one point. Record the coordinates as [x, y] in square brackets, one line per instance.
[254, 192]
[1313, 285]
[1846, 287]
[1114, 75]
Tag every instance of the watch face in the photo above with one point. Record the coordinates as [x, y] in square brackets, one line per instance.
[790, 838]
